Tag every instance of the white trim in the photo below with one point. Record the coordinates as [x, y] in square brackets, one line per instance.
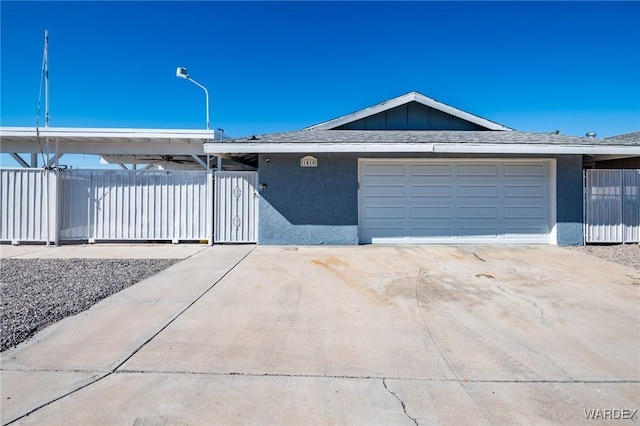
[80, 132]
[553, 194]
[303, 148]
[405, 99]
[464, 148]
[536, 149]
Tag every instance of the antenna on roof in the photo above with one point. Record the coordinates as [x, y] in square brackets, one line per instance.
[44, 76]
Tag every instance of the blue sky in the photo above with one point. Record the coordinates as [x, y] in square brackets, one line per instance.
[278, 66]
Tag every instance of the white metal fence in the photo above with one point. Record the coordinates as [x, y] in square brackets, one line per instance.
[136, 205]
[236, 215]
[27, 205]
[612, 206]
[105, 205]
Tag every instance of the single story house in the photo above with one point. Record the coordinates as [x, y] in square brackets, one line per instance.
[408, 170]
[415, 170]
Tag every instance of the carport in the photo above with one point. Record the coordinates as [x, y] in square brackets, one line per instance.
[164, 192]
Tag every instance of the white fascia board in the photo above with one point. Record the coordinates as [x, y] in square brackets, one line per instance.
[535, 149]
[79, 132]
[105, 147]
[277, 148]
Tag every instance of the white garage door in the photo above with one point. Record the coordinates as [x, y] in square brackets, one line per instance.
[463, 201]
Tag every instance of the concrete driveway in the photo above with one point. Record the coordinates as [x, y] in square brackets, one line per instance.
[345, 335]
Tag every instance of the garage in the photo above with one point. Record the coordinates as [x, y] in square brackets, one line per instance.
[455, 201]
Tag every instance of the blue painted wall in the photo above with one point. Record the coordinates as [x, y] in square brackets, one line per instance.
[569, 200]
[319, 205]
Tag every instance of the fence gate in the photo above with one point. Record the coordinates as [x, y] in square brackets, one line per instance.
[612, 206]
[236, 207]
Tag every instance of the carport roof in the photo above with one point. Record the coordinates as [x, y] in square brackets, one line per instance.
[490, 142]
[106, 141]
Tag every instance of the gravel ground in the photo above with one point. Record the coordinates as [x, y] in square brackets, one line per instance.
[624, 254]
[37, 292]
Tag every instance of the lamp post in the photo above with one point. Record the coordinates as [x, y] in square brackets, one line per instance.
[181, 72]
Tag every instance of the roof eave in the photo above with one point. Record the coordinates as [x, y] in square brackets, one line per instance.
[449, 148]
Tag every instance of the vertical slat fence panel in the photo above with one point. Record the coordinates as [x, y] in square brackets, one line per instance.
[134, 205]
[28, 205]
[612, 206]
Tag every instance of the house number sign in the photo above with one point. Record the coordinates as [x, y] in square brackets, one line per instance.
[308, 161]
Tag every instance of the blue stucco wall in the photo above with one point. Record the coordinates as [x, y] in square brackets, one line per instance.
[569, 200]
[319, 205]
[308, 205]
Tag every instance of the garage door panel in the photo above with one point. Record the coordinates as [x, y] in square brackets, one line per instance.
[524, 212]
[384, 191]
[443, 212]
[431, 191]
[384, 170]
[432, 232]
[529, 170]
[478, 232]
[380, 212]
[477, 170]
[477, 212]
[525, 191]
[478, 191]
[538, 234]
[431, 170]
[454, 201]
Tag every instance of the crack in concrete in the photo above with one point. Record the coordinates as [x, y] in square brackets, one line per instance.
[404, 406]
[347, 377]
[478, 257]
[57, 399]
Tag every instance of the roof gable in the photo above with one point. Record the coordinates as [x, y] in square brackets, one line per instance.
[412, 111]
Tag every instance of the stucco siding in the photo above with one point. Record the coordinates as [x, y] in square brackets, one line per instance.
[569, 197]
[308, 205]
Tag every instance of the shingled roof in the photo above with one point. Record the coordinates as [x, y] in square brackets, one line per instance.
[633, 138]
[427, 137]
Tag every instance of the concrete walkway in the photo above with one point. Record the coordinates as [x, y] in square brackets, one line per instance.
[84, 348]
[345, 335]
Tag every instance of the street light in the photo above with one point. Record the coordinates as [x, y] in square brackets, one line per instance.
[181, 72]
